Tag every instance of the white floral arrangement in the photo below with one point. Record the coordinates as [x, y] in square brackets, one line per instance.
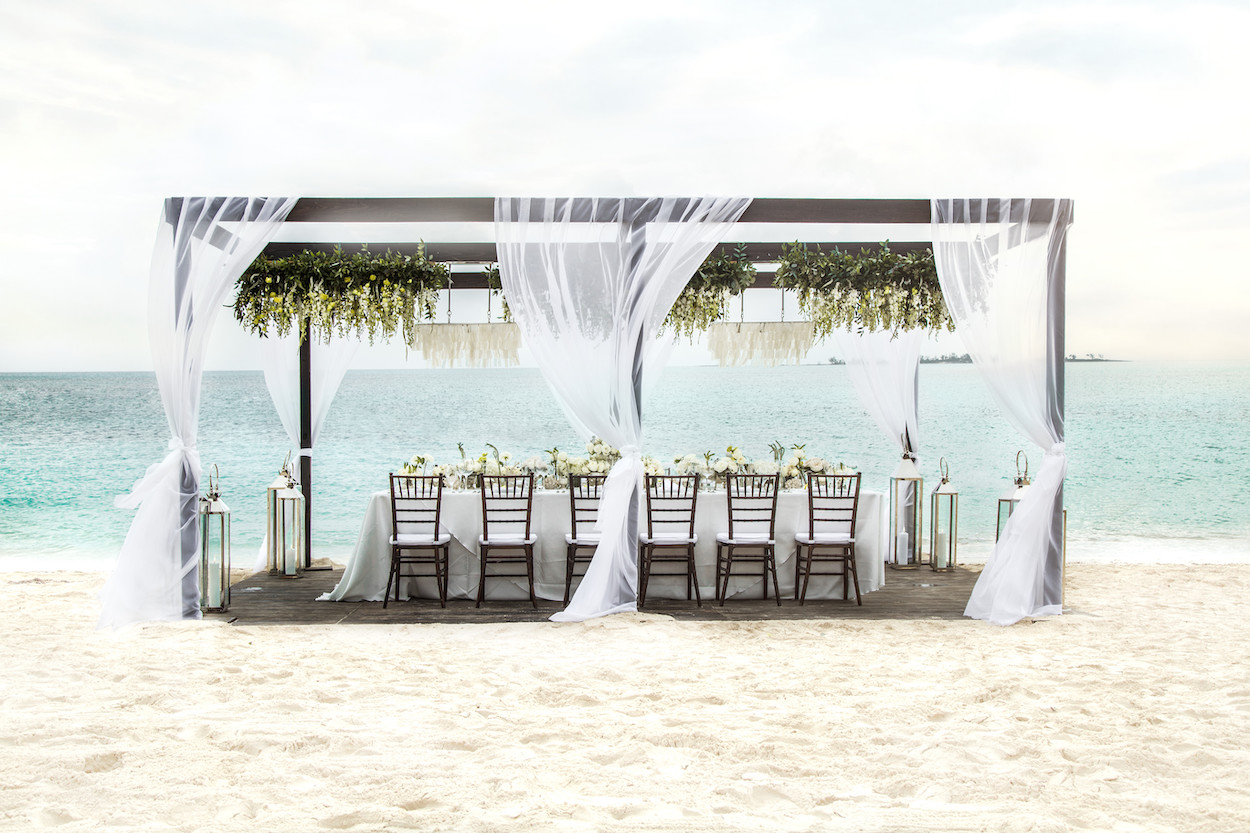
[552, 468]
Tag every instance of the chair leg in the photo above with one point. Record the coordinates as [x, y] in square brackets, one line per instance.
[772, 564]
[481, 581]
[723, 590]
[692, 577]
[390, 576]
[570, 561]
[807, 572]
[529, 572]
[645, 574]
[855, 577]
[441, 560]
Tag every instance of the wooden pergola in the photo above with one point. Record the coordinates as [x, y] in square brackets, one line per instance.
[449, 211]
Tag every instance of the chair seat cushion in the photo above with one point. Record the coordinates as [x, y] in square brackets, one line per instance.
[405, 540]
[824, 538]
[508, 540]
[669, 538]
[586, 539]
[744, 539]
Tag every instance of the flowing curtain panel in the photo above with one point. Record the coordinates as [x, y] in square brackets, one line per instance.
[590, 281]
[883, 369]
[203, 244]
[280, 361]
[1000, 263]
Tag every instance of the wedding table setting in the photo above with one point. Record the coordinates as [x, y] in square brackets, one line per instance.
[364, 578]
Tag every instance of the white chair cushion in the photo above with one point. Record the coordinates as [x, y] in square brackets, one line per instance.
[587, 539]
[669, 538]
[421, 540]
[744, 538]
[507, 540]
[824, 538]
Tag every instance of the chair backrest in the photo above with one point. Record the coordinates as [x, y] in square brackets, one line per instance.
[752, 502]
[671, 503]
[584, 493]
[416, 503]
[832, 503]
[507, 505]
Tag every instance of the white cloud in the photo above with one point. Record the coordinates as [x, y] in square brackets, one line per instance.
[1133, 111]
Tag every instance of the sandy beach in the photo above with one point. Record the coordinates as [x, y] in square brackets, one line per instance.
[1130, 713]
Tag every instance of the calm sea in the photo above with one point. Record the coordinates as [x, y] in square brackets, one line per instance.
[1159, 454]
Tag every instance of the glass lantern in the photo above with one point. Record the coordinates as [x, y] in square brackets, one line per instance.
[284, 531]
[943, 522]
[214, 550]
[1011, 497]
[906, 491]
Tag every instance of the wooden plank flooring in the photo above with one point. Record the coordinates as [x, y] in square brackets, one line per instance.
[262, 599]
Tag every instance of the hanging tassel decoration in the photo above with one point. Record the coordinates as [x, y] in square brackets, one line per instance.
[767, 343]
[469, 345]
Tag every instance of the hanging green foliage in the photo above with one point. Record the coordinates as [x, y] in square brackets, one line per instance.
[723, 275]
[873, 290]
[363, 294]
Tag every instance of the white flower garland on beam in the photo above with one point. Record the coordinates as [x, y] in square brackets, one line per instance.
[769, 343]
[469, 345]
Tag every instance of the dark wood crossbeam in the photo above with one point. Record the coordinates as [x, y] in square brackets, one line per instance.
[482, 210]
[486, 253]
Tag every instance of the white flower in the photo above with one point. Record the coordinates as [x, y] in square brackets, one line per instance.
[720, 465]
[816, 464]
[764, 467]
[562, 457]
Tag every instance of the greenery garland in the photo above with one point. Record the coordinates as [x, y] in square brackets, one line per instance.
[334, 293]
[873, 290]
[377, 296]
[722, 276]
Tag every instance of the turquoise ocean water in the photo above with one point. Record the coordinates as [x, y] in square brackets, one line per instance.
[1159, 454]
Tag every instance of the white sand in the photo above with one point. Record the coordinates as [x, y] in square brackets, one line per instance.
[1131, 713]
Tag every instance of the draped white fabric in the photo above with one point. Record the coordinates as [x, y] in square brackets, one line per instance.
[883, 369]
[998, 262]
[589, 281]
[203, 244]
[327, 366]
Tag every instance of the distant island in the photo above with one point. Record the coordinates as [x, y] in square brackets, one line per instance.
[953, 358]
[964, 358]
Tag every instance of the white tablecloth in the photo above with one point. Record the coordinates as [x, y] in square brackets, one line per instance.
[365, 576]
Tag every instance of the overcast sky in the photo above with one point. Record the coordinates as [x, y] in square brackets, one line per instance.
[1136, 111]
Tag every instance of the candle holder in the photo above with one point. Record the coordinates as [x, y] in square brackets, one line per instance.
[943, 522]
[284, 536]
[1020, 485]
[214, 549]
[906, 511]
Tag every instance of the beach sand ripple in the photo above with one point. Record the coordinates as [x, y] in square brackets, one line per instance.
[1130, 713]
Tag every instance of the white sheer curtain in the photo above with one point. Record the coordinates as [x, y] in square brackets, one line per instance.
[1000, 264]
[327, 366]
[203, 244]
[590, 281]
[883, 369]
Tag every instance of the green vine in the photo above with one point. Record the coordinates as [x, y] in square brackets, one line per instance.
[722, 276]
[334, 293]
[495, 284]
[874, 290]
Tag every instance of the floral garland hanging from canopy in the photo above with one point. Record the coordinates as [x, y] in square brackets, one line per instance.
[378, 296]
[374, 296]
[872, 290]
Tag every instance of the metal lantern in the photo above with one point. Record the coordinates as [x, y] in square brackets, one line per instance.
[1007, 503]
[214, 549]
[284, 531]
[906, 511]
[943, 522]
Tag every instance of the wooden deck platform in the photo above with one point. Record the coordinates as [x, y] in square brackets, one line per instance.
[262, 599]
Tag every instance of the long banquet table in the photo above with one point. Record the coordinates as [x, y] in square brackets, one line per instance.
[364, 578]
